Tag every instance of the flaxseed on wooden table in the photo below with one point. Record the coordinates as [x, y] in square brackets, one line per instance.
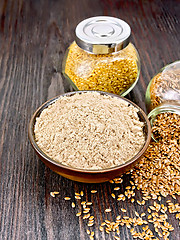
[90, 131]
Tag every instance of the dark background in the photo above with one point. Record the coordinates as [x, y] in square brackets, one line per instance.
[33, 38]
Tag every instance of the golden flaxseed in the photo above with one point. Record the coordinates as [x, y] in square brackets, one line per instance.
[123, 210]
[56, 193]
[52, 194]
[113, 195]
[67, 198]
[73, 205]
[117, 238]
[90, 224]
[93, 191]
[105, 72]
[86, 216]
[107, 210]
[78, 214]
[92, 233]
[101, 228]
[89, 203]
[77, 197]
[86, 211]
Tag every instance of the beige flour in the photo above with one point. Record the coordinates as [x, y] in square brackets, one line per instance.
[90, 131]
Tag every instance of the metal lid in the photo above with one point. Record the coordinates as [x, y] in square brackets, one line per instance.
[101, 35]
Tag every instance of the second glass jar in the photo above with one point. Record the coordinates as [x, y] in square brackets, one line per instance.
[164, 87]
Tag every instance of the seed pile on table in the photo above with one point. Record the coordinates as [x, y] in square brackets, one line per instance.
[104, 72]
[157, 177]
[90, 131]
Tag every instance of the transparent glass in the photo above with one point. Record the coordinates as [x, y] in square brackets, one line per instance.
[164, 87]
[116, 72]
[163, 108]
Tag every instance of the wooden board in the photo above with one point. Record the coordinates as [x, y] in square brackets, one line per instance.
[33, 38]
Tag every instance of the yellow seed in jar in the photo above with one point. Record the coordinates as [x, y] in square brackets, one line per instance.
[104, 72]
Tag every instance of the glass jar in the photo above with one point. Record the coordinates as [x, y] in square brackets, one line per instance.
[101, 58]
[170, 118]
[164, 87]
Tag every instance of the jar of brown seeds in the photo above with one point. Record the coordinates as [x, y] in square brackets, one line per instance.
[165, 122]
[101, 57]
[164, 88]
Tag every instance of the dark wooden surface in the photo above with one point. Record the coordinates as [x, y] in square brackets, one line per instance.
[33, 38]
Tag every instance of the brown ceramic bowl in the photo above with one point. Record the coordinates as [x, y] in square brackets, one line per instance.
[88, 176]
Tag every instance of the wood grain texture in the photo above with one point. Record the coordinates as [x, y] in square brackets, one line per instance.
[33, 38]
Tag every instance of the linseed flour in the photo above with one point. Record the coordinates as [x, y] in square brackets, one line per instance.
[90, 131]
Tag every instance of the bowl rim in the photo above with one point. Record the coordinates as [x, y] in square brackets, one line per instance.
[80, 170]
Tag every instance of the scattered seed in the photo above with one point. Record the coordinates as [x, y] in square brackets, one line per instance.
[137, 214]
[108, 210]
[123, 210]
[67, 198]
[52, 194]
[78, 214]
[103, 224]
[107, 221]
[56, 193]
[143, 202]
[159, 198]
[85, 211]
[77, 197]
[90, 224]
[101, 228]
[93, 191]
[73, 205]
[113, 195]
[117, 238]
[86, 216]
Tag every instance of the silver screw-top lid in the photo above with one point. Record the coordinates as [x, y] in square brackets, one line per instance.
[102, 34]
